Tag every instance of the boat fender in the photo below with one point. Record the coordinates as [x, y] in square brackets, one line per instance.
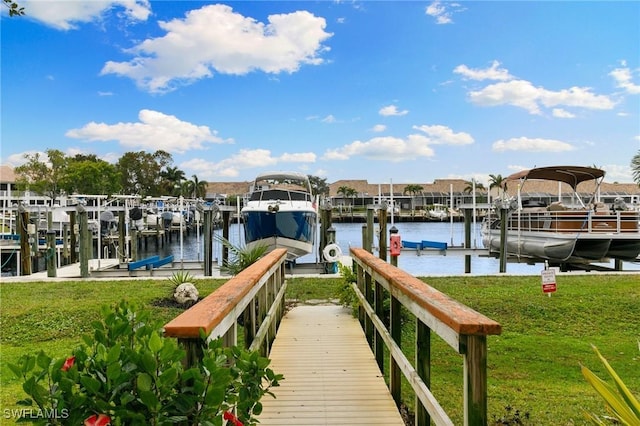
[332, 252]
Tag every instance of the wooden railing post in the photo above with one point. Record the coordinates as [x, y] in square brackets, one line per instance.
[369, 294]
[475, 380]
[378, 306]
[423, 368]
[395, 375]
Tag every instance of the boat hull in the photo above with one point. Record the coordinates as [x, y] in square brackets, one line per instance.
[567, 238]
[293, 230]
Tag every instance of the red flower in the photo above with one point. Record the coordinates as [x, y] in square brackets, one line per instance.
[232, 418]
[97, 420]
[68, 363]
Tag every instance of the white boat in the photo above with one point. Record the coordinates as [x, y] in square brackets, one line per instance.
[579, 229]
[281, 211]
[438, 212]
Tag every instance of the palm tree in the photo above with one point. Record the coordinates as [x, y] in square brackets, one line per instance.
[347, 191]
[496, 181]
[199, 187]
[635, 167]
[413, 190]
[172, 178]
[194, 188]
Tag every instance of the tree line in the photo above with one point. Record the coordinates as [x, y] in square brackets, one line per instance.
[135, 173]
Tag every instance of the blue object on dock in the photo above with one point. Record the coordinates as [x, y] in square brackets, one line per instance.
[160, 262]
[412, 245]
[143, 262]
[434, 244]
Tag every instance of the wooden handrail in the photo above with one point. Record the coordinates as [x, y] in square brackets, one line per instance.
[464, 329]
[257, 293]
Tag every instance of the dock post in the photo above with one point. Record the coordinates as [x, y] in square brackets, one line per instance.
[73, 237]
[134, 244]
[503, 238]
[226, 222]
[382, 236]
[393, 258]
[367, 243]
[51, 253]
[85, 239]
[33, 222]
[25, 248]
[208, 243]
[65, 244]
[122, 242]
[467, 240]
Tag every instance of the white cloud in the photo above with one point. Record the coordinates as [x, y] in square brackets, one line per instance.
[494, 72]
[443, 11]
[531, 145]
[392, 110]
[438, 134]
[379, 128]
[525, 95]
[154, 131]
[384, 148]
[618, 173]
[623, 77]
[65, 15]
[244, 159]
[329, 119]
[215, 38]
[561, 113]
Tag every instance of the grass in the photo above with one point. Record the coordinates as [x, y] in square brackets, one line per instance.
[533, 366]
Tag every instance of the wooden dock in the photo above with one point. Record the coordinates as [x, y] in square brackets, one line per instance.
[330, 374]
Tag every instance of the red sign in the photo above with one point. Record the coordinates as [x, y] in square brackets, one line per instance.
[548, 281]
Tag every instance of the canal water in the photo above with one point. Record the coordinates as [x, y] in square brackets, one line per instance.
[350, 235]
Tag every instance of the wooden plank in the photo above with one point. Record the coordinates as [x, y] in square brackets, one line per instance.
[331, 376]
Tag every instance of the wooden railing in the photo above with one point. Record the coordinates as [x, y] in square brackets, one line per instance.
[256, 294]
[464, 329]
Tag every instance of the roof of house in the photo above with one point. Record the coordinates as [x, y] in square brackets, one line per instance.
[7, 174]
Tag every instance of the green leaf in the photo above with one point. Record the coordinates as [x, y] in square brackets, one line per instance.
[114, 354]
[169, 376]
[113, 371]
[43, 361]
[155, 343]
[91, 384]
[630, 401]
[144, 382]
[15, 369]
[148, 363]
[622, 403]
[149, 399]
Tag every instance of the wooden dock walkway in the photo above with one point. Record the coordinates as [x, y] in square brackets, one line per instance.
[330, 374]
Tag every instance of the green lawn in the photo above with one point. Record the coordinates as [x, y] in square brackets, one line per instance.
[534, 365]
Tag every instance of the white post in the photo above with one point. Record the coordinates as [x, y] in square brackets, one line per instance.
[451, 210]
[391, 197]
[182, 223]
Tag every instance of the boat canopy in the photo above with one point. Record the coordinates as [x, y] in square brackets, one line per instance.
[282, 176]
[571, 175]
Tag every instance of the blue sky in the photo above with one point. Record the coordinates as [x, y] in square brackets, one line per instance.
[396, 91]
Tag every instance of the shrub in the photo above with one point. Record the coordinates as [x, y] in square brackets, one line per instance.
[620, 402]
[127, 373]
